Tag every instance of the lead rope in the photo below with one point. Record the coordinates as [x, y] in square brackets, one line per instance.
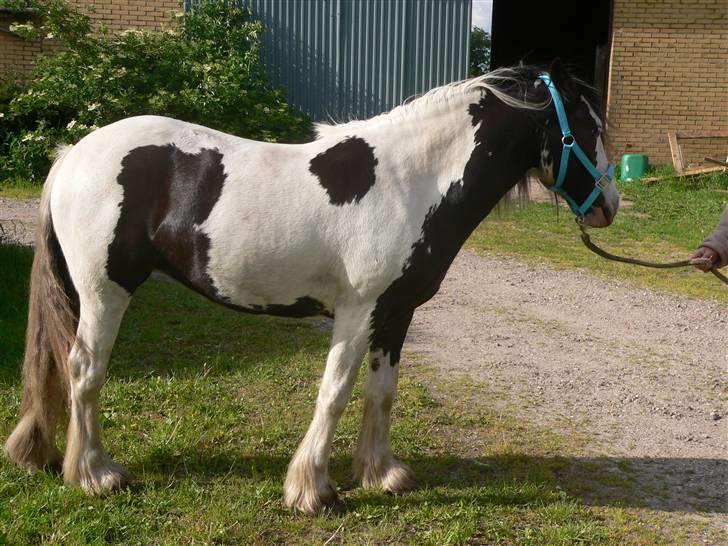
[670, 265]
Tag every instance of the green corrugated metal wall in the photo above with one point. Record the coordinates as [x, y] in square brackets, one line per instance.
[343, 59]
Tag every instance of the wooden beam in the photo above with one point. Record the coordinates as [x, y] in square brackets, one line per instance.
[700, 170]
[677, 159]
[716, 161]
[701, 134]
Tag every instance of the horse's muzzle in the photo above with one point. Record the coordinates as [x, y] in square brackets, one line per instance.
[598, 217]
[602, 215]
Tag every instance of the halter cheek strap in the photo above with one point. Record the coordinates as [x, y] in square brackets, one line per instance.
[569, 146]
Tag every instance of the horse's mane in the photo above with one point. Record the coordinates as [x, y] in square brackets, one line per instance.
[510, 85]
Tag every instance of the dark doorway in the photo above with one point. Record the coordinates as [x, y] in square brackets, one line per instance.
[536, 31]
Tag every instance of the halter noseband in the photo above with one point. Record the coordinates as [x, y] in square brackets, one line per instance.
[569, 144]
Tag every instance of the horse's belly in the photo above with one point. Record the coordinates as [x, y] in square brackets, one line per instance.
[284, 288]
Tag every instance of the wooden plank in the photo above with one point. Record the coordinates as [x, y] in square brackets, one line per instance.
[677, 155]
[677, 160]
[699, 170]
[716, 161]
[701, 134]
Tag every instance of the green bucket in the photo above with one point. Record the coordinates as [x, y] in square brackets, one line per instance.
[633, 166]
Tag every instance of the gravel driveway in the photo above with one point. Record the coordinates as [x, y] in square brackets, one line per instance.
[17, 220]
[642, 374]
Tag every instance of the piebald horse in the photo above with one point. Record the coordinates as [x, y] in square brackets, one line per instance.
[361, 224]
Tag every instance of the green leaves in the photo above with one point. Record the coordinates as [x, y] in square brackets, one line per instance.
[479, 52]
[207, 70]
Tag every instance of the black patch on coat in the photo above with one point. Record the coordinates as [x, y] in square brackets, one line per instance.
[374, 364]
[494, 167]
[346, 170]
[305, 306]
[167, 193]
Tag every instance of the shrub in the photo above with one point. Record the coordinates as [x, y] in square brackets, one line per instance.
[205, 69]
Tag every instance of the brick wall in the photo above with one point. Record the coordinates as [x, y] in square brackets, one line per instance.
[17, 54]
[125, 14]
[668, 69]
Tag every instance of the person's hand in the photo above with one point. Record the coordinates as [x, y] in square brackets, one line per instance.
[708, 257]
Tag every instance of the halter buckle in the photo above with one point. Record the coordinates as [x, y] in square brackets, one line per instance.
[603, 182]
[568, 140]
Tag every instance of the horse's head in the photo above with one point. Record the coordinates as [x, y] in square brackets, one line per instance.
[574, 162]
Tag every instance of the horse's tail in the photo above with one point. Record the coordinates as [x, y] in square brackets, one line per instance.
[52, 322]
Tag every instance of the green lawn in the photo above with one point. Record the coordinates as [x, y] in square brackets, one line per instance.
[205, 406]
[661, 222]
[19, 188]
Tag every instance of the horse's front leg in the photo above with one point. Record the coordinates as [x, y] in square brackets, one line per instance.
[374, 462]
[308, 487]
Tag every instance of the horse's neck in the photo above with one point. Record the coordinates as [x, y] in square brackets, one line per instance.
[435, 152]
[435, 143]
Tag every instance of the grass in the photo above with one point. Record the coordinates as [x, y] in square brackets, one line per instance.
[205, 406]
[14, 271]
[663, 221]
[19, 188]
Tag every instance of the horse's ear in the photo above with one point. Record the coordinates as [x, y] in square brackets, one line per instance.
[561, 78]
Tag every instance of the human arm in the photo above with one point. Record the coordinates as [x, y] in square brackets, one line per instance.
[715, 245]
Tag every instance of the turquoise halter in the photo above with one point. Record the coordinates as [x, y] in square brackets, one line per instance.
[569, 144]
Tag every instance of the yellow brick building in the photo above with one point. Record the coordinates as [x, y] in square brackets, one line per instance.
[667, 72]
[17, 54]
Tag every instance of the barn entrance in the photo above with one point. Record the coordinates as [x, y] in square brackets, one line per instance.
[534, 32]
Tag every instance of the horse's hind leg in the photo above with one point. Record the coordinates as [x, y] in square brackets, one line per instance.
[374, 463]
[85, 462]
[308, 487]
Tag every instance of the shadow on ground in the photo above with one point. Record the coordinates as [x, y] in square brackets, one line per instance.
[596, 481]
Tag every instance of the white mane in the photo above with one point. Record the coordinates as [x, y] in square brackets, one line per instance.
[502, 82]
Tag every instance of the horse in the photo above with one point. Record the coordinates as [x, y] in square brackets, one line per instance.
[360, 224]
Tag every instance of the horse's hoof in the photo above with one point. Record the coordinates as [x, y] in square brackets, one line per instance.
[104, 478]
[314, 502]
[399, 479]
[389, 474]
[331, 502]
[55, 466]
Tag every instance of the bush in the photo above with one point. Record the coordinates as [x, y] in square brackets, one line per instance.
[205, 69]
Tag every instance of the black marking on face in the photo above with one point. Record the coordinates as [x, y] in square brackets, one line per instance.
[346, 170]
[486, 179]
[167, 194]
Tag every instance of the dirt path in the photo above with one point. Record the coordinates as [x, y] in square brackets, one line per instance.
[642, 375]
[17, 220]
